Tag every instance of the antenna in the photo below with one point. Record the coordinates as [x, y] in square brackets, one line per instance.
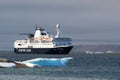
[37, 28]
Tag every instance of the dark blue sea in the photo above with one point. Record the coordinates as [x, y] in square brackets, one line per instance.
[81, 67]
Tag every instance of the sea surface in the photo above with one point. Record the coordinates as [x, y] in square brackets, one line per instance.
[81, 67]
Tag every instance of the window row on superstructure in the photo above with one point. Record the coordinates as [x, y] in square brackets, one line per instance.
[62, 43]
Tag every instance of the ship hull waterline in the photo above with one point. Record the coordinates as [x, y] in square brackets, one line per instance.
[58, 50]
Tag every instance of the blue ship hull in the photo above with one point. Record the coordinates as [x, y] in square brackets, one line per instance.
[60, 50]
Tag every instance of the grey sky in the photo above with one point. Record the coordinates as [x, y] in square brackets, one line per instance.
[81, 19]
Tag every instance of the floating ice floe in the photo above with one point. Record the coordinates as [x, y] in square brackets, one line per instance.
[7, 65]
[37, 62]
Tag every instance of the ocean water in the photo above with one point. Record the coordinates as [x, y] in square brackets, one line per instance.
[81, 67]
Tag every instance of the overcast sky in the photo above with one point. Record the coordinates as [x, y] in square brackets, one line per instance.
[97, 20]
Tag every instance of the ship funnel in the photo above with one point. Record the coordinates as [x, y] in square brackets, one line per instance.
[58, 31]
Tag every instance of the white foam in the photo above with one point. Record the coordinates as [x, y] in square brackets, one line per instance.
[30, 65]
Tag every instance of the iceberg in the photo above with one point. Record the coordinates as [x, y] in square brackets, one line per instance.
[38, 62]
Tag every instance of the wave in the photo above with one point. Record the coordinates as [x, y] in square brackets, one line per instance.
[36, 77]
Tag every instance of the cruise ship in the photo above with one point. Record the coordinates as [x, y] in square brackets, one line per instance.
[43, 43]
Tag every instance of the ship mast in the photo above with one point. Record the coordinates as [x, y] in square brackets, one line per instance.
[58, 31]
[37, 32]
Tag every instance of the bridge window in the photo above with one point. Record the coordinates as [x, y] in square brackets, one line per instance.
[43, 34]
